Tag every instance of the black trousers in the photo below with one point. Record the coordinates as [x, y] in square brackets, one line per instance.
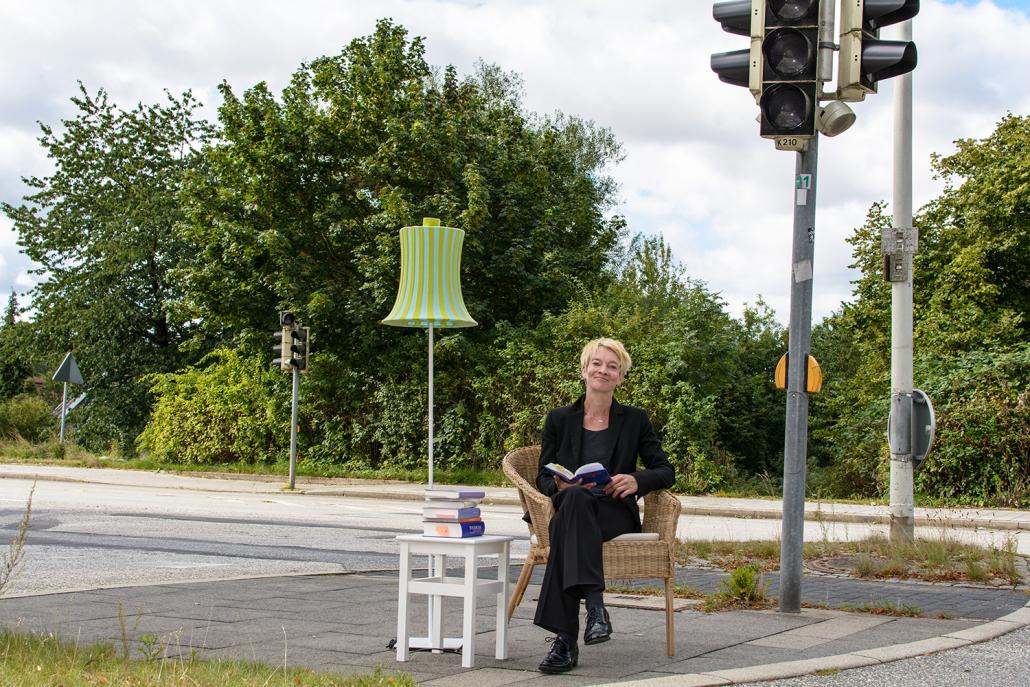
[582, 522]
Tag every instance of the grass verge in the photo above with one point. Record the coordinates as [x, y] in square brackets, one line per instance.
[935, 560]
[41, 660]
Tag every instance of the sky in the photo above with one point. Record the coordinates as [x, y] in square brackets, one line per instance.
[694, 170]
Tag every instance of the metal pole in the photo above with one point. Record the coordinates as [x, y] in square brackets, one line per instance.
[293, 427]
[795, 445]
[430, 406]
[64, 409]
[902, 500]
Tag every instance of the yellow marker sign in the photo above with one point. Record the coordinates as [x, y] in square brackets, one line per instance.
[813, 377]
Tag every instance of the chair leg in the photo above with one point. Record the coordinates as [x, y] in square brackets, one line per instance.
[520, 586]
[670, 642]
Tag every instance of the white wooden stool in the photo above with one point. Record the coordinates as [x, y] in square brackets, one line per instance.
[439, 585]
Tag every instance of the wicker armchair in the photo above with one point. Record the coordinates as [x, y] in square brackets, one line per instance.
[631, 556]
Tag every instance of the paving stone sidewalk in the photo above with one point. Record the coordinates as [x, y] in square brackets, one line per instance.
[343, 623]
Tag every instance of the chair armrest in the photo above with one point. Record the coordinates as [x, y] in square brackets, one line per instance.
[661, 514]
[536, 504]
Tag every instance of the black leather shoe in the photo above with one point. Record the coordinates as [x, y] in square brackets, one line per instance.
[561, 658]
[599, 626]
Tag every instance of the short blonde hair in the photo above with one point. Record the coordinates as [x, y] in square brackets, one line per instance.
[612, 345]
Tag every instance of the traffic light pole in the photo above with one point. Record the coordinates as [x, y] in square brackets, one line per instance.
[293, 428]
[795, 445]
[902, 498]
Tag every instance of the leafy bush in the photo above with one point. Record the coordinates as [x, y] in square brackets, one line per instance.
[227, 408]
[982, 403]
[26, 416]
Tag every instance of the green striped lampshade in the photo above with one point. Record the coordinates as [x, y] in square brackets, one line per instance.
[429, 293]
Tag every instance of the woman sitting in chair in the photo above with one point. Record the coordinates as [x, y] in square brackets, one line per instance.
[594, 429]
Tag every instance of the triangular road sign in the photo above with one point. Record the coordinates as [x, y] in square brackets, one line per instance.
[68, 371]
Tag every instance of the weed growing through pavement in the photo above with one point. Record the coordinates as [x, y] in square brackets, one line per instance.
[746, 584]
[887, 608]
[149, 648]
[12, 558]
[124, 634]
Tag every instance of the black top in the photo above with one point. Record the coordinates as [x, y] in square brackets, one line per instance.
[632, 438]
[597, 446]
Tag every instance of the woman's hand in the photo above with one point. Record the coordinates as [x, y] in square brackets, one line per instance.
[621, 485]
[563, 485]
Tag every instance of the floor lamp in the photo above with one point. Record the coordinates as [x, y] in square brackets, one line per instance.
[429, 292]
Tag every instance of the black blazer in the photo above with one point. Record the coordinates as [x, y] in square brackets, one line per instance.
[633, 437]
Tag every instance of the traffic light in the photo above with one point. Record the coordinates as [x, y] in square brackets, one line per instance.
[789, 92]
[740, 67]
[864, 58]
[300, 348]
[293, 344]
[282, 348]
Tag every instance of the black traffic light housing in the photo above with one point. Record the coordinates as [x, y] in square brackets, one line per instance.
[789, 97]
[737, 67]
[293, 344]
[300, 348]
[864, 58]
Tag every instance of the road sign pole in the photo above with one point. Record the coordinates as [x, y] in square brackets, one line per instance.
[902, 497]
[64, 408]
[293, 427]
[795, 444]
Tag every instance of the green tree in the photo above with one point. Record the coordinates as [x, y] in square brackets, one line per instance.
[15, 363]
[751, 409]
[102, 228]
[299, 204]
[673, 328]
[304, 198]
[977, 244]
[971, 299]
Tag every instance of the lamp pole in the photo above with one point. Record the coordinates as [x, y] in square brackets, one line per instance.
[430, 406]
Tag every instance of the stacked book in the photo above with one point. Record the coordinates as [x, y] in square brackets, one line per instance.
[452, 513]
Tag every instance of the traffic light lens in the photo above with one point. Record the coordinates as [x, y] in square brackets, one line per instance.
[788, 52]
[786, 107]
[791, 10]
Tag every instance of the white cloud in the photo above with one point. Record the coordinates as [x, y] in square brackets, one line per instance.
[24, 280]
[695, 169]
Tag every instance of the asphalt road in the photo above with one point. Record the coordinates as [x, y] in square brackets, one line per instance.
[1001, 662]
[86, 536]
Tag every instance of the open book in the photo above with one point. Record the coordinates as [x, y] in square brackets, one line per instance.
[591, 472]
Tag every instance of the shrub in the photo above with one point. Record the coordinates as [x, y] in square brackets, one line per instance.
[227, 408]
[26, 416]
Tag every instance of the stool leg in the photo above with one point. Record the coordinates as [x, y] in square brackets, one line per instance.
[438, 569]
[501, 648]
[402, 604]
[670, 628]
[468, 631]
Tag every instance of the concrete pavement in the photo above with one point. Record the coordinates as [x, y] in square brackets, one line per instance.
[342, 623]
